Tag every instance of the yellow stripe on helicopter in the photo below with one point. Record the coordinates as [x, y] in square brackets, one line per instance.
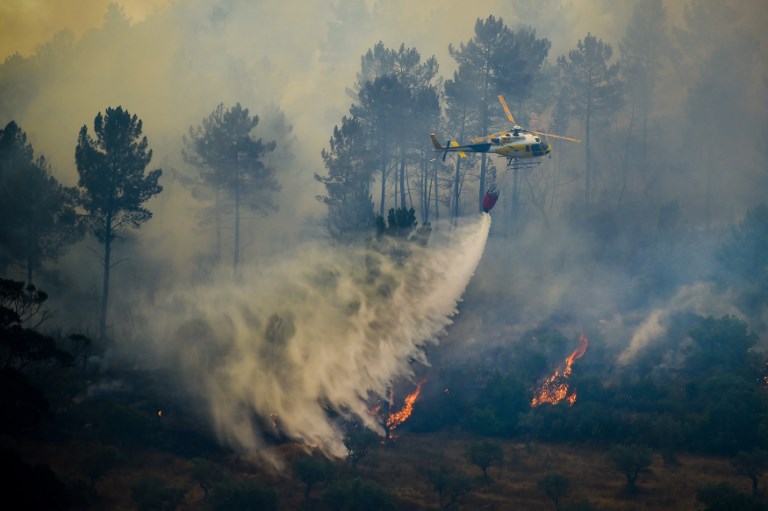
[453, 143]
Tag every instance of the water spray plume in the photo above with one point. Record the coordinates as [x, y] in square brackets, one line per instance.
[319, 334]
[555, 388]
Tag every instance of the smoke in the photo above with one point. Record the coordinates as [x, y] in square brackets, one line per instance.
[699, 298]
[650, 329]
[316, 334]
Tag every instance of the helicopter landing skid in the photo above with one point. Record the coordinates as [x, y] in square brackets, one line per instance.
[522, 164]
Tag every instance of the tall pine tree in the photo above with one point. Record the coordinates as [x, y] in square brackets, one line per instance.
[231, 163]
[348, 184]
[594, 89]
[496, 60]
[114, 184]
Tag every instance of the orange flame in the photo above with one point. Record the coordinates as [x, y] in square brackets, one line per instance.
[397, 418]
[555, 388]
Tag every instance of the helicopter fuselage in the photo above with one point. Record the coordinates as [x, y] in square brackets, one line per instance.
[521, 145]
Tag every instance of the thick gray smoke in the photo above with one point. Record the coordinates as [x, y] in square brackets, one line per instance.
[325, 329]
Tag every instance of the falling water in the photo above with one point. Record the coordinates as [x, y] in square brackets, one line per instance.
[321, 331]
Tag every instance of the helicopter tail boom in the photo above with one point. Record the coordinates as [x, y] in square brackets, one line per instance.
[452, 146]
[435, 142]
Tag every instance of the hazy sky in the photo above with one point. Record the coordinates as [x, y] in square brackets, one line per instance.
[277, 44]
[25, 24]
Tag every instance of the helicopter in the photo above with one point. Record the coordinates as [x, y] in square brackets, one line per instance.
[520, 146]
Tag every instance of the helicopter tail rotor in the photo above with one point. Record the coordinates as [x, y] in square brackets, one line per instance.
[439, 146]
[447, 147]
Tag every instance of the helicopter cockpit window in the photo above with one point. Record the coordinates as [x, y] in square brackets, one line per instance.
[537, 139]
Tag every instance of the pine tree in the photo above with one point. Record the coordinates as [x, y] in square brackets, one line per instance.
[593, 87]
[496, 60]
[230, 162]
[113, 183]
[348, 184]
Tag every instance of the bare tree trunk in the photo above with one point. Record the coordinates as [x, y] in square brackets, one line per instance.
[515, 196]
[587, 183]
[402, 179]
[383, 186]
[395, 195]
[437, 195]
[408, 187]
[105, 280]
[426, 199]
[484, 120]
[236, 255]
[217, 219]
[30, 256]
[456, 181]
[457, 177]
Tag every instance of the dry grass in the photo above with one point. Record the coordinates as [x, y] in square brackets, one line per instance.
[401, 468]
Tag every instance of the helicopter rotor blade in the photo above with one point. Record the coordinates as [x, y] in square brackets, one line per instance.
[506, 109]
[569, 139]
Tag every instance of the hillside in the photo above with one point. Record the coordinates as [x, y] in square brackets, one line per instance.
[401, 468]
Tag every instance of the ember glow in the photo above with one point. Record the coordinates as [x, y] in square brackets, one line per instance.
[555, 388]
[397, 418]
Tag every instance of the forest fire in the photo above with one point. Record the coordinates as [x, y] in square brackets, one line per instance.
[555, 388]
[397, 418]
